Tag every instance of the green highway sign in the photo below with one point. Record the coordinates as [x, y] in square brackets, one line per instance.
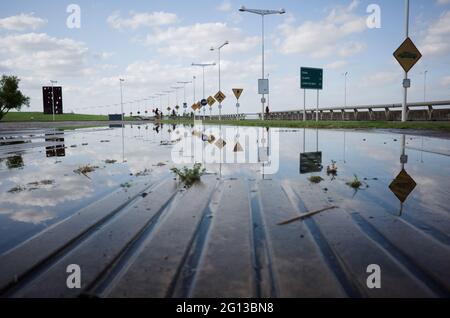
[311, 78]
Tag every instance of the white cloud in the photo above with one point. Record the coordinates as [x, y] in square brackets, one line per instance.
[225, 6]
[380, 79]
[22, 22]
[352, 48]
[437, 37]
[103, 55]
[322, 38]
[445, 81]
[336, 65]
[443, 1]
[142, 19]
[43, 55]
[188, 41]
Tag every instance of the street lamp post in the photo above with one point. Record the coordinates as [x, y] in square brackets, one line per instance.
[218, 49]
[425, 85]
[203, 65]
[262, 13]
[121, 80]
[184, 95]
[176, 88]
[53, 99]
[345, 89]
[405, 88]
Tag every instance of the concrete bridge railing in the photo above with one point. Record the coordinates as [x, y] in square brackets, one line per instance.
[422, 111]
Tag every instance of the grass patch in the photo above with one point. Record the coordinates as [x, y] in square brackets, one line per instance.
[355, 184]
[426, 125]
[37, 116]
[84, 170]
[189, 176]
[143, 173]
[16, 189]
[315, 179]
[125, 185]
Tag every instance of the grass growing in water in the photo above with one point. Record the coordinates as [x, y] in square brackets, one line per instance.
[315, 179]
[84, 170]
[355, 184]
[189, 176]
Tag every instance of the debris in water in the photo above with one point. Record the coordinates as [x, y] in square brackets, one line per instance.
[332, 169]
[305, 215]
[110, 161]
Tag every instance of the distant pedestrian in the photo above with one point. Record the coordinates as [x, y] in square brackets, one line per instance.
[267, 111]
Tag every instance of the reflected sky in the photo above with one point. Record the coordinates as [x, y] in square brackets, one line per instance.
[38, 185]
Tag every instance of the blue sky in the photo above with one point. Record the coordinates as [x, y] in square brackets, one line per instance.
[153, 43]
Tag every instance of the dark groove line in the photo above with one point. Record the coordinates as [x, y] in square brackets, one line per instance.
[62, 251]
[260, 250]
[329, 255]
[403, 259]
[185, 275]
[107, 276]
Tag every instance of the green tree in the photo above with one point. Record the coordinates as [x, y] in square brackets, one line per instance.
[10, 95]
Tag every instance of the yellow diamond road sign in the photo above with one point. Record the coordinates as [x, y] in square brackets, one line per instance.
[220, 97]
[211, 101]
[402, 186]
[237, 92]
[407, 54]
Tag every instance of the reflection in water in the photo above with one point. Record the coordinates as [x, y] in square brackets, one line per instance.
[58, 150]
[373, 157]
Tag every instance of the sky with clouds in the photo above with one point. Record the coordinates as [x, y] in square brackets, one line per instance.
[151, 44]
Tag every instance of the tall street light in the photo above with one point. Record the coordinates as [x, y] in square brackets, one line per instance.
[53, 99]
[203, 65]
[405, 88]
[176, 88]
[425, 85]
[184, 94]
[168, 98]
[345, 89]
[262, 13]
[121, 80]
[218, 49]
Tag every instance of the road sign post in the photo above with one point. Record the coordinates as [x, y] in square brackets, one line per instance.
[311, 78]
[237, 93]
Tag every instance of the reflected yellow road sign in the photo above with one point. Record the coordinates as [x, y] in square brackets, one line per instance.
[220, 143]
[237, 92]
[402, 186]
[220, 97]
[407, 54]
[211, 101]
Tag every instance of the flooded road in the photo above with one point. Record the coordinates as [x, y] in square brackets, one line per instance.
[39, 183]
[47, 175]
